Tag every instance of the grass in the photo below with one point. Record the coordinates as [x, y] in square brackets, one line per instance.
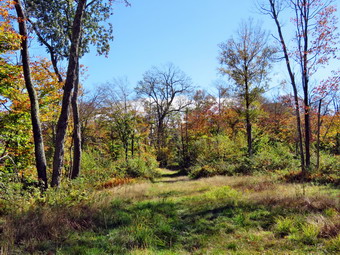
[176, 215]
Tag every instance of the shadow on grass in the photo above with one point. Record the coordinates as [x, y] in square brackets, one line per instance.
[123, 226]
[172, 181]
[175, 173]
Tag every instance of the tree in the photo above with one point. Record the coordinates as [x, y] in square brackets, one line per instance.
[70, 81]
[57, 38]
[165, 90]
[120, 113]
[316, 38]
[246, 60]
[323, 95]
[35, 115]
[89, 108]
[15, 121]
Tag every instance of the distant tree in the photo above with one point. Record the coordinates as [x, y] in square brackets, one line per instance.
[199, 115]
[323, 95]
[164, 90]
[121, 114]
[89, 108]
[316, 39]
[247, 60]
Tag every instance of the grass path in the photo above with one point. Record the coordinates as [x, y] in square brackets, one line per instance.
[217, 215]
[177, 215]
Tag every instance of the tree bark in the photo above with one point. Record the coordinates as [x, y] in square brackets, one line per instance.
[76, 129]
[274, 14]
[318, 137]
[71, 77]
[160, 143]
[40, 158]
[133, 144]
[304, 16]
[248, 122]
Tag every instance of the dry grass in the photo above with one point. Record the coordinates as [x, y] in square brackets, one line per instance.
[263, 190]
[48, 222]
[292, 196]
[135, 191]
[329, 226]
[115, 182]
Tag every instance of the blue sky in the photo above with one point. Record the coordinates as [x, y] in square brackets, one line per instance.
[154, 32]
[184, 32]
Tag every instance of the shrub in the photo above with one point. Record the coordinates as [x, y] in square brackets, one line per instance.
[97, 168]
[329, 164]
[245, 165]
[272, 156]
[333, 245]
[202, 171]
[285, 226]
[143, 167]
[308, 234]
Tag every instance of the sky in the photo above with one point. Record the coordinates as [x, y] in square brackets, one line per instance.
[155, 32]
[183, 32]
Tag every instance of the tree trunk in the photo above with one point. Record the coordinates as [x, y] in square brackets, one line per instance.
[307, 135]
[318, 137]
[298, 127]
[40, 158]
[76, 129]
[305, 80]
[133, 144]
[248, 122]
[274, 15]
[161, 157]
[126, 149]
[71, 77]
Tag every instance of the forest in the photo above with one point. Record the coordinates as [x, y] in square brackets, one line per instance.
[166, 167]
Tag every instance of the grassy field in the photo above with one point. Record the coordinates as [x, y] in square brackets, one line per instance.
[176, 215]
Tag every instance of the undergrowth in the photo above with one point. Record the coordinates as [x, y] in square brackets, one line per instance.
[220, 215]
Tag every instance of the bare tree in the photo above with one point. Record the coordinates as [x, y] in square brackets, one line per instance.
[165, 90]
[315, 37]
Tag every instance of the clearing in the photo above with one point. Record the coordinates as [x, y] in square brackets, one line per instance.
[177, 215]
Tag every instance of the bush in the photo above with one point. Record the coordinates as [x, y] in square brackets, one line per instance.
[220, 155]
[308, 234]
[202, 171]
[333, 245]
[273, 156]
[141, 167]
[329, 164]
[328, 172]
[97, 167]
[285, 226]
[215, 155]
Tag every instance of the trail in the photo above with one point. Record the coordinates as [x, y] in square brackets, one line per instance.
[171, 176]
[176, 215]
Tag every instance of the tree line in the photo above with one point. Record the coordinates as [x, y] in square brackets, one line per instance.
[235, 130]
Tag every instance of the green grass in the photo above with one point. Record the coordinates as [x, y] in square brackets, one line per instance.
[175, 215]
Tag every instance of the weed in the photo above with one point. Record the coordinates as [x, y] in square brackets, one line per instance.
[333, 245]
[285, 226]
[308, 234]
[231, 246]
